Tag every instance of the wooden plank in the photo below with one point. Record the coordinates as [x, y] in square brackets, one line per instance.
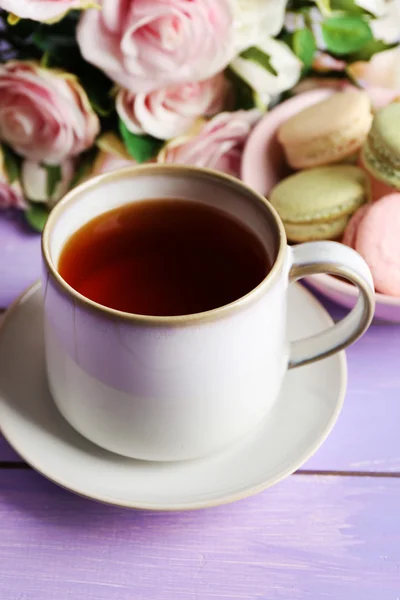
[307, 538]
[366, 437]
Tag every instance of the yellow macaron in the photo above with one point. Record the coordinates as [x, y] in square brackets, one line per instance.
[327, 132]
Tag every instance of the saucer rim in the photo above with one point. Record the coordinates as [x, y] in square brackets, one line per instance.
[222, 500]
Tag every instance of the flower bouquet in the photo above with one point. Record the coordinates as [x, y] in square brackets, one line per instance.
[91, 86]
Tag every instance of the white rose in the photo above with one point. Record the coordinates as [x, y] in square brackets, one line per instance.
[46, 11]
[255, 19]
[387, 26]
[375, 7]
[34, 179]
[294, 21]
[266, 84]
[315, 18]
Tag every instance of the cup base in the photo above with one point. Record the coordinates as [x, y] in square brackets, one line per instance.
[155, 456]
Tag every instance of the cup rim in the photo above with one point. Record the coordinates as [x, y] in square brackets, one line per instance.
[134, 171]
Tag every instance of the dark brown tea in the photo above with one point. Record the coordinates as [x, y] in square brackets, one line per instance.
[164, 258]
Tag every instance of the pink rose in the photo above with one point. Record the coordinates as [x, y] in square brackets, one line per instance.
[11, 195]
[380, 76]
[43, 10]
[45, 114]
[111, 157]
[169, 112]
[217, 144]
[107, 162]
[147, 45]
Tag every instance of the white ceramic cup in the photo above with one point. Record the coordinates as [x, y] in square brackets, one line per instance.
[173, 388]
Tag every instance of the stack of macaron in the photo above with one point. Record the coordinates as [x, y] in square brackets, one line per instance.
[321, 143]
[374, 229]
[346, 170]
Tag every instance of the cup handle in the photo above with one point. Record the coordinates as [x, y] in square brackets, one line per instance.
[336, 259]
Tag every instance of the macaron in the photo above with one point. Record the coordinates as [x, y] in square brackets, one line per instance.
[381, 150]
[377, 240]
[306, 232]
[378, 188]
[316, 204]
[351, 231]
[327, 132]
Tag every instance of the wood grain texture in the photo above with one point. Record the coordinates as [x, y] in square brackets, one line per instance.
[307, 538]
[366, 438]
[7, 454]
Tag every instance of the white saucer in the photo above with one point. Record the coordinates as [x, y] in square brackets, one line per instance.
[309, 405]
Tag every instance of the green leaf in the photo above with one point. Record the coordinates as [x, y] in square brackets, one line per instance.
[304, 46]
[45, 61]
[36, 216]
[102, 106]
[140, 147]
[259, 57]
[344, 34]
[303, 6]
[54, 176]
[299, 5]
[86, 161]
[12, 163]
[348, 6]
[324, 6]
[52, 42]
[98, 88]
[243, 94]
[369, 49]
[59, 42]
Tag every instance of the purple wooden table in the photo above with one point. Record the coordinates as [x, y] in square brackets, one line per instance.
[330, 531]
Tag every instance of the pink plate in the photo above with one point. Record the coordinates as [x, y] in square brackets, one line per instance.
[387, 308]
[264, 165]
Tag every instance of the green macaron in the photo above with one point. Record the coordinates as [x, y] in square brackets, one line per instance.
[381, 151]
[307, 232]
[316, 204]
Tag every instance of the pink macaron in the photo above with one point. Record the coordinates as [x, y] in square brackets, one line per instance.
[374, 233]
[350, 234]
